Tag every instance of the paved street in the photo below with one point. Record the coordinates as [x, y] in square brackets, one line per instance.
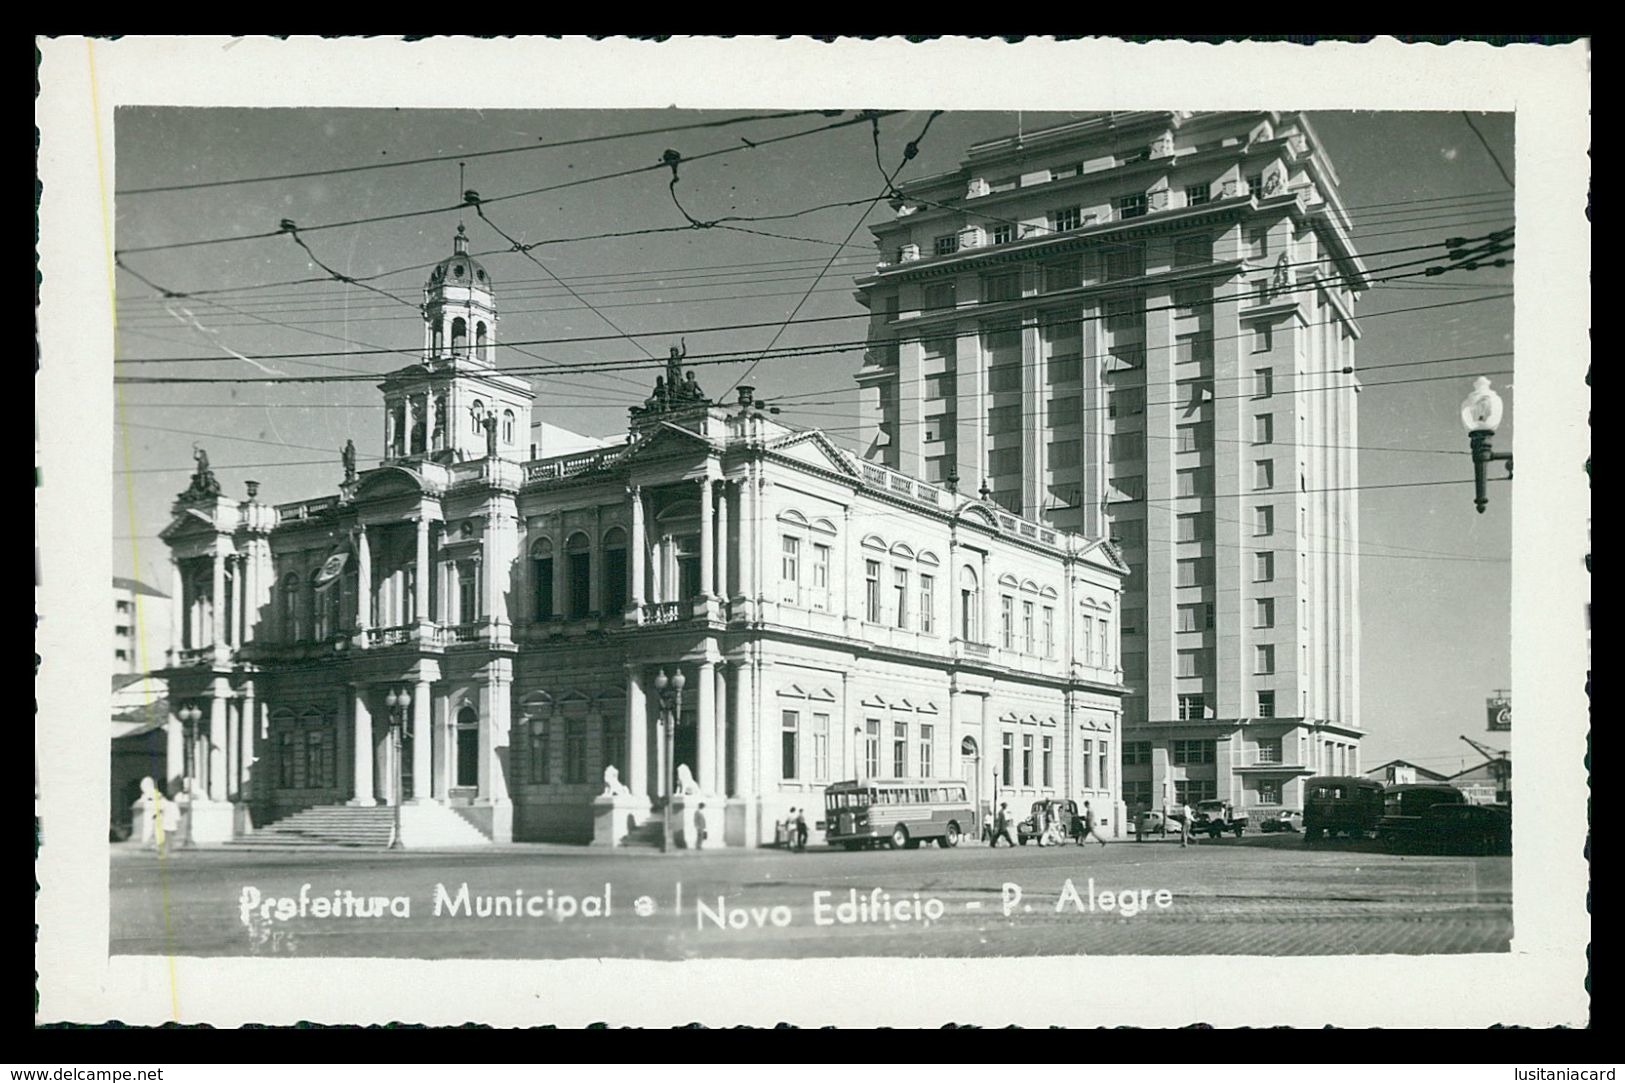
[1259, 895]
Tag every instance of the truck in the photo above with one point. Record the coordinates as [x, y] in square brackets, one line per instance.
[1216, 817]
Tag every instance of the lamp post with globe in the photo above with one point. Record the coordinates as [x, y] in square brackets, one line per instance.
[397, 700]
[1481, 416]
[671, 709]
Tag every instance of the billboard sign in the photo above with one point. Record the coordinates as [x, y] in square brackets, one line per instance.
[1500, 712]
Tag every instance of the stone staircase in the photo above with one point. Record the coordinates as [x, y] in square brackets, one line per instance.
[352, 827]
[368, 828]
[647, 835]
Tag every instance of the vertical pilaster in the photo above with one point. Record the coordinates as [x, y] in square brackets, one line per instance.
[217, 741]
[217, 609]
[637, 732]
[640, 548]
[362, 747]
[708, 541]
[722, 540]
[746, 782]
[494, 734]
[421, 602]
[706, 774]
[363, 593]
[177, 610]
[422, 740]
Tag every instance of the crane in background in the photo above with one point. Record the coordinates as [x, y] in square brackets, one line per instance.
[1500, 769]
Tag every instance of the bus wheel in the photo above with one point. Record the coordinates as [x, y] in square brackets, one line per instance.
[950, 838]
[899, 837]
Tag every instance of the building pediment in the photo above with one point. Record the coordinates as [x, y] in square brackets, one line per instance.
[669, 441]
[394, 481]
[814, 449]
[189, 525]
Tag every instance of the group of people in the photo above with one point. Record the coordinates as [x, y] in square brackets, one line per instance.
[1050, 832]
[795, 829]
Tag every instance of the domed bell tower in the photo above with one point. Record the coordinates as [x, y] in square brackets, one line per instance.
[456, 405]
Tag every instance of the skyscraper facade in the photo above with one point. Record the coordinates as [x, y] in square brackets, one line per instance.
[1141, 326]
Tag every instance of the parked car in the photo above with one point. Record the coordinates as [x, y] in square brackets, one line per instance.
[1054, 809]
[1404, 807]
[1282, 821]
[1455, 828]
[1341, 805]
[1152, 822]
[1214, 818]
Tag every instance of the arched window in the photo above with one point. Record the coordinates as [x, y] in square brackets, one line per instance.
[541, 571]
[615, 576]
[468, 747]
[459, 337]
[482, 345]
[970, 605]
[292, 617]
[437, 339]
[507, 427]
[578, 572]
[476, 411]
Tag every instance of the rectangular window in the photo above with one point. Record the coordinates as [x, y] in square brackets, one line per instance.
[1003, 232]
[899, 749]
[1008, 759]
[1269, 791]
[928, 603]
[541, 752]
[871, 591]
[1255, 185]
[1189, 482]
[580, 571]
[1263, 428]
[1193, 348]
[925, 758]
[1258, 243]
[1190, 617]
[1197, 194]
[1049, 761]
[900, 588]
[615, 580]
[1125, 402]
[1067, 369]
[1263, 567]
[1134, 665]
[1129, 487]
[1263, 383]
[1192, 708]
[1001, 287]
[1065, 453]
[1003, 419]
[1027, 627]
[939, 297]
[1133, 621]
[820, 747]
[939, 386]
[1194, 527]
[1062, 274]
[871, 747]
[1264, 658]
[1065, 218]
[790, 569]
[790, 733]
[1126, 446]
[1263, 338]
[1136, 752]
[1004, 461]
[820, 577]
[1263, 612]
[1263, 521]
[1192, 437]
[1131, 205]
[1124, 260]
[1194, 752]
[1007, 622]
[1193, 250]
[1264, 474]
[1067, 411]
[575, 750]
[1192, 791]
[1005, 377]
[1026, 759]
[1192, 664]
[1192, 300]
[938, 467]
[1188, 573]
[1266, 709]
[1049, 631]
[939, 427]
[945, 245]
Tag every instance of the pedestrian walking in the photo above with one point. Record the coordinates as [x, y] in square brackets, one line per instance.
[1089, 826]
[1001, 825]
[801, 829]
[1041, 825]
[1184, 826]
[699, 827]
[788, 830]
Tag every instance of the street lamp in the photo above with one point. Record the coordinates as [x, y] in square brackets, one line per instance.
[398, 700]
[671, 709]
[1481, 416]
[190, 715]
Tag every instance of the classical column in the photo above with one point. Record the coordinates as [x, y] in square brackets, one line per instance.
[422, 740]
[639, 545]
[421, 602]
[719, 778]
[217, 609]
[722, 540]
[217, 741]
[494, 739]
[745, 782]
[362, 746]
[177, 611]
[363, 579]
[247, 737]
[705, 773]
[748, 506]
[637, 733]
[708, 541]
[174, 755]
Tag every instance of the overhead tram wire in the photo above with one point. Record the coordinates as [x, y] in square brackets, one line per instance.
[1468, 117]
[1128, 290]
[442, 159]
[399, 215]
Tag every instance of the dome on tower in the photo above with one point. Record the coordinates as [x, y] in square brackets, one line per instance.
[459, 268]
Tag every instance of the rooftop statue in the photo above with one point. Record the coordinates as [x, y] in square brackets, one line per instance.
[204, 483]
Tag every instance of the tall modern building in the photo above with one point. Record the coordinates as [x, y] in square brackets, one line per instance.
[1141, 326]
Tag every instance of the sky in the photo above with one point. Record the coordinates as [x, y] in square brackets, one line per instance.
[1435, 576]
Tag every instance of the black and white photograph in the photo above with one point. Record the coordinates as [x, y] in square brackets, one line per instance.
[640, 520]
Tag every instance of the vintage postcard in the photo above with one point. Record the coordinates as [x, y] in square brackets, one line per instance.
[728, 531]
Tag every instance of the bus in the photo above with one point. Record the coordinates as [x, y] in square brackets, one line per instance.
[1405, 805]
[1340, 804]
[900, 812]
